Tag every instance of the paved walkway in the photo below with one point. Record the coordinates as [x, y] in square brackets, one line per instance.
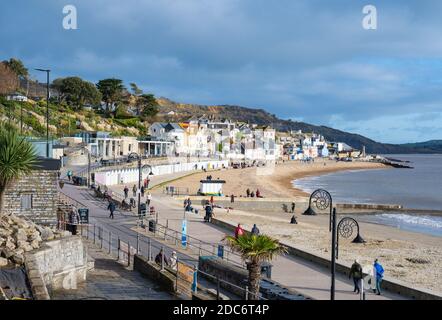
[110, 280]
[296, 273]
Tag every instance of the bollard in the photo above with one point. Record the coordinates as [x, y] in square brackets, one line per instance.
[217, 288]
[87, 231]
[162, 258]
[138, 243]
[128, 253]
[110, 242]
[118, 249]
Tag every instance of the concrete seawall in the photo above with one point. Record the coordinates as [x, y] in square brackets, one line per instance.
[284, 205]
[388, 284]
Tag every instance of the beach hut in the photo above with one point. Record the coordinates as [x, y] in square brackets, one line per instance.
[211, 187]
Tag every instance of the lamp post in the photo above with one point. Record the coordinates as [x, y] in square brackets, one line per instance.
[345, 229]
[135, 155]
[88, 167]
[47, 109]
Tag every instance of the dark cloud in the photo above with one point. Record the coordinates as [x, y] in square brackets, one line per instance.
[308, 60]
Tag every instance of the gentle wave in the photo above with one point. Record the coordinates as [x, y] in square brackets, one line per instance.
[425, 221]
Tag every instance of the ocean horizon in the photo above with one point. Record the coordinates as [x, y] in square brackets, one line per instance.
[419, 188]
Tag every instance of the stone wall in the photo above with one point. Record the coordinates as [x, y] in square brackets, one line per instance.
[42, 185]
[59, 264]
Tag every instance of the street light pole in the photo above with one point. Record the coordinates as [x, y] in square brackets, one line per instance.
[333, 255]
[47, 109]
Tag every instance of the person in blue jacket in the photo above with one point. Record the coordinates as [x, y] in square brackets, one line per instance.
[379, 275]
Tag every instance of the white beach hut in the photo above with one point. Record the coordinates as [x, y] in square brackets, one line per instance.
[211, 187]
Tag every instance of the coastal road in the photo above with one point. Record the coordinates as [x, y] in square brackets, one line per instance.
[298, 274]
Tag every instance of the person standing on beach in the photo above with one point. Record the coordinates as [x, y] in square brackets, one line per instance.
[248, 192]
[134, 190]
[293, 207]
[232, 198]
[255, 230]
[126, 192]
[356, 273]
[149, 198]
[239, 231]
[379, 270]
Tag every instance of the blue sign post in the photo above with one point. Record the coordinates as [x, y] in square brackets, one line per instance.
[220, 251]
[184, 234]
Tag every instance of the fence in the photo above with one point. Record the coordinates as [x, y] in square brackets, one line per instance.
[176, 191]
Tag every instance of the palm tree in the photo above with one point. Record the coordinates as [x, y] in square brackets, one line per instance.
[255, 249]
[17, 158]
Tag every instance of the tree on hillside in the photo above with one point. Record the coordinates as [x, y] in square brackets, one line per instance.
[18, 67]
[255, 249]
[135, 90]
[148, 105]
[8, 79]
[112, 91]
[77, 92]
[17, 157]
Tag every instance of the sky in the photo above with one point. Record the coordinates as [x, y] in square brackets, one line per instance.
[305, 60]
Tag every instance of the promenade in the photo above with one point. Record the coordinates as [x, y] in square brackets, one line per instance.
[298, 274]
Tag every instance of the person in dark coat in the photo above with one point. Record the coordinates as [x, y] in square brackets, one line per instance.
[126, 192]
[232, 198]
[142, 191]
[159, 258]
[293, 207]
[111, 207]
[248, 192]
[356, 273]
[293, 220]
[74, 221]
[209, 213]
[255, 230]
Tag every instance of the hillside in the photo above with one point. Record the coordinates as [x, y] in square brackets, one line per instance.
[262, 117]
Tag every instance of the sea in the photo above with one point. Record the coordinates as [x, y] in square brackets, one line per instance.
[419, 189]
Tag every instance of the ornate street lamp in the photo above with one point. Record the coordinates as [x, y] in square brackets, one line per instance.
[135, 155]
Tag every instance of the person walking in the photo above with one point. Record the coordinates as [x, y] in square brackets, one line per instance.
[149, 198]
[159, 258]
[174, 261]
[255, 230]
[239, 231]
[69, 174]
[142, 191]
[134, 190]
[293, 207]
[74, 220]
[209, 213]
[126, 192]
[356, 273]
[111, 207]
[379, 271]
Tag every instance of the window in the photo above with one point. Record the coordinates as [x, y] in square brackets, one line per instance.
[26, 201]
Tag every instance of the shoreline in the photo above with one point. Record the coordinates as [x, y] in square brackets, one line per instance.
[273, 181]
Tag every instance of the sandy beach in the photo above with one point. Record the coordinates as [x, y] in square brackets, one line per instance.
[410, 257]
[273, 182]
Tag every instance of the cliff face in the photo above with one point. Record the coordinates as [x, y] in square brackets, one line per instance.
[262, 117]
